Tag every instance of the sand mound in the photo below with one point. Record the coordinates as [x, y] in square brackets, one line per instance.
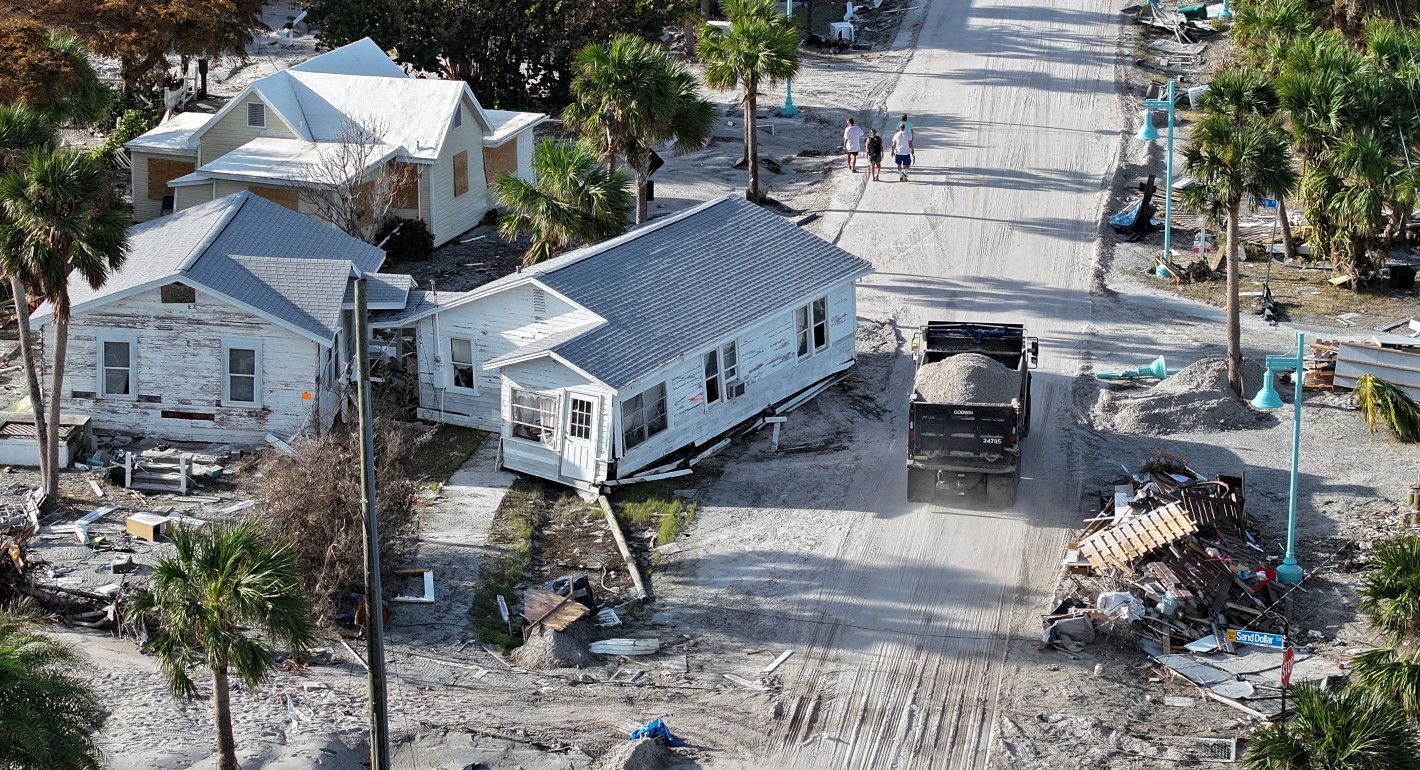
[548, 649]
[642, 754]
[967, 378]
[1195, 399]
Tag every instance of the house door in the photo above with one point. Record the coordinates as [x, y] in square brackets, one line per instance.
[579, 436]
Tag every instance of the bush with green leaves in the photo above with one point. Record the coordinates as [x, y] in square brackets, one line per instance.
[405, 240]
[47, 712]
[1348, 729]
[131, 125]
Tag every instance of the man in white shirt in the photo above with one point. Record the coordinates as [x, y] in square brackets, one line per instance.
[852, 144]
[902, 151]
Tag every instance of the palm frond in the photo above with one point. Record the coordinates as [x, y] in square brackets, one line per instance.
[1393, 673]
[47, 714]
[1382, 403]
[1351, 729]
[1390, 594]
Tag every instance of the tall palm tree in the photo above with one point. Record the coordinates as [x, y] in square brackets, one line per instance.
[576, 198]
[86, 99]
[203, 602]
[47, 714]
[61, 216]
[760, 47]
[629, 97]
[1347, 730]
[1235, 153]
[22, 130]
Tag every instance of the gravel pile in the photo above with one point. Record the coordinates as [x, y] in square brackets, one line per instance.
[640, 754]
[547, 649]
[1197, 398]
[967, 378]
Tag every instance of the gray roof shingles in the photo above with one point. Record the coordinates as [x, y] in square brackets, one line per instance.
[687, 283]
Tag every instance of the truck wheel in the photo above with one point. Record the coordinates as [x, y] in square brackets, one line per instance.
[921, 486]
[1001, 490]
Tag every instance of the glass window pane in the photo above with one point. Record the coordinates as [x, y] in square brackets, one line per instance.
[116, 382]
[463, 376]
[712, 364]
[801, 318]
[820, 336]
[116, 354]
[243, 389]
[461, 351]
[820, 310]
[731, 354]
[241, 361]
[803, 343]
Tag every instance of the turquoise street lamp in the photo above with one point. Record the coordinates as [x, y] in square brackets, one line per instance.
[1289, 571]
[1224, 15]
[1148, 134]
[789, 109]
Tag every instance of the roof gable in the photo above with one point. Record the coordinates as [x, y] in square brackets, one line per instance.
[362, 57]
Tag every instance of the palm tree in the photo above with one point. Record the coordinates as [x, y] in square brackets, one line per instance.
[760, 47]
[1392, 673]
[1347, 730]
[204, 598]
[1391, 593]
[86, 99]
[47, 714]
[575, 199]
[60, 216]
[630, 97]
[1236, 152]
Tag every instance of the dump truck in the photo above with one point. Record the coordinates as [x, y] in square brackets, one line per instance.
[969, 412]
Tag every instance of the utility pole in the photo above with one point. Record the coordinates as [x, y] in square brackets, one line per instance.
[374, 594]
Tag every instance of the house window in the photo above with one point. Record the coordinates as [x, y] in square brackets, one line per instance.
[117, 366]
[643, 415]
[460, 173]
[534, 417]
[579, 419]
[712, 376]
[177, 294]
[458, 116]
[241, 373]
[256, 115]
[811, 327]
[730, 361]
[461, 359]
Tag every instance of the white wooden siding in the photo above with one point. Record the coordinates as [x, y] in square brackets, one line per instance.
[179, 362]
[545, 375]
[232, 132]
[496, 325]
[452, 216]
[525, 151]
[187, 196]
[767, 366]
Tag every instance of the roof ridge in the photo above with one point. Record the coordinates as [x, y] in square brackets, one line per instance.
[592, 250]
[215, 232]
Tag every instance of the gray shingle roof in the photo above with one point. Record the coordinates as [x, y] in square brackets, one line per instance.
[383, 291]
[685, 283]
[242, 246]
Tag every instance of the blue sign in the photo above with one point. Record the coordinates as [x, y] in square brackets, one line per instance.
[1256, 638]
[1269, 203]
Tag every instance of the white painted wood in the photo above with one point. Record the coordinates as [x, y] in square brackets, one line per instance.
[187, 196]
[579, 453]
[454, 215]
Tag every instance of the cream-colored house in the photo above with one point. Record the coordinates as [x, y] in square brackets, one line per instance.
[279, 137]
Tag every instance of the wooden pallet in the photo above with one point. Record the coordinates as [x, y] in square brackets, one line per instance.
[1120, 545]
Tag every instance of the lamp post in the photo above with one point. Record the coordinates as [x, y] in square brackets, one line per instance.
[1226, 14]
[789, 109]
[1289, 571]
[1148, 134]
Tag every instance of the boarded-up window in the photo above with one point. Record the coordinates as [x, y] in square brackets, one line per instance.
[286, 196]
[406, 191]
[161, 171]
[178, 294]
[497, 160]
[461, 173]
[256, 115]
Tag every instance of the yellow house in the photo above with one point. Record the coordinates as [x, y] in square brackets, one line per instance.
[282, 136]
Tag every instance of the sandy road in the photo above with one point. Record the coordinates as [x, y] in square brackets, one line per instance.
[902, 641]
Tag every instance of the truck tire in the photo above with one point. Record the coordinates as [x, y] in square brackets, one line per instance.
[921, 486]
[1001, 490]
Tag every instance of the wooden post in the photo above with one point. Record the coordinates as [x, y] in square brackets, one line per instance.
[615, 528]
[374, 593]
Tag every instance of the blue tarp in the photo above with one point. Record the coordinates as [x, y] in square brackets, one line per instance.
[657, 729]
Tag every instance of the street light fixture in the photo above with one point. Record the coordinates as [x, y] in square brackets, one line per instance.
[789, 109]
[1289, 571]
[1148, 134]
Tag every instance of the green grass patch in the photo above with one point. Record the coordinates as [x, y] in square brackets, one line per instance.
[515, 527]
[448, 448]
[640, 505]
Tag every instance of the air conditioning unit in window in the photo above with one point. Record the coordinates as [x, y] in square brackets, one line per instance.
[734, 389]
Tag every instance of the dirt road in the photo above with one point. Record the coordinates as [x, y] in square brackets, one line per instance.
[901, 612]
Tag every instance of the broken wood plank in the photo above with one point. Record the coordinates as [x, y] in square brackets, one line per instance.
[742, 682]
[355, 655]
[621, 546]
[779, 661]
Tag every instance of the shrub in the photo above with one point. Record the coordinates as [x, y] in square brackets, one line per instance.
[131, 125]
[405, 240]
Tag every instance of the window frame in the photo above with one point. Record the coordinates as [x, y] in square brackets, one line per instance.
[458, 115]
[808, 321]
[100, 389]
[647, 435]
[573, 425]
[241, 343]
[260, 111]
[472, 365]
[713, 376]
[460, 175]
[730, 373]
[551, 428]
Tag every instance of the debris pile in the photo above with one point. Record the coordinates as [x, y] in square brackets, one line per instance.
[965, 378]
[1196, 398]
[546, 649]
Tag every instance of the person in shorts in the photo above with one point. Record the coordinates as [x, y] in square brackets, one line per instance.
[852, 144]
[902, 151]
[913, 145]
[874, 147]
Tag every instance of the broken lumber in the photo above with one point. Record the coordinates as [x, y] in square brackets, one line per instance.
[621, 546]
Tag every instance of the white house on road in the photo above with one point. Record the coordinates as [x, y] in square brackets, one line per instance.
[229, 320]
[282, 134]
[620, 356]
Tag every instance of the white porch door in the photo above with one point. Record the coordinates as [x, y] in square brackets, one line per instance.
[580, 427]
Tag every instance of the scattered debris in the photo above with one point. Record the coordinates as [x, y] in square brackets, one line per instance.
[779, 661]
[607, 617]
[427, 597]
[626, 646]
[546, 649]
[547, 608]
[1196, 398]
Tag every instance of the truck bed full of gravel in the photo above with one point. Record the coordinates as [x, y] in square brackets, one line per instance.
[967, 378]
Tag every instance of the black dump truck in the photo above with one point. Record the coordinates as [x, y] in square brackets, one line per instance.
[970, 410]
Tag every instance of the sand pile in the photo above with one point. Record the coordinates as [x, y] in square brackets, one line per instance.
[1197, 398]
[967, 378]
[642, 754]
[547, 649]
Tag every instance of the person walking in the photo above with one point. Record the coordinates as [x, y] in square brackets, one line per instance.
[875, 154]
[852, 144]
[902, 151]
[908, 125]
